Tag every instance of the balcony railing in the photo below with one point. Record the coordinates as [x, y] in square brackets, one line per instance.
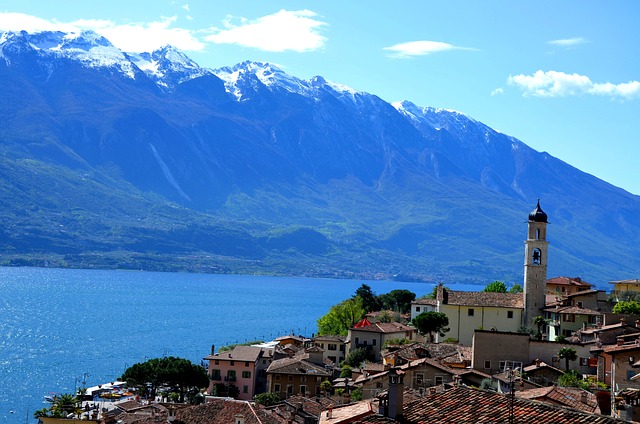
[216, 377]
[230, 378]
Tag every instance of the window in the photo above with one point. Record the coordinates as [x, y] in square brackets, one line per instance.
[276, 388]
[231, 375]
[332, 347]
[538, 233]
[332, 359]
[567, 333]
[232, 363]
[289, 389]
[303, 379]
[417, 309]
[568, 318]
[290, 378]
[419, 378]
[579, 304]
[439, 380]
[378, 385]
[246, 364]
[357, 340]
[537, 257]
[217, 362]
[555, 359]
[277, 377]
[373, 342]
[584, 362]
[215, 374]
[245, 389]
[630, 374]
[303, 389]
[471, 312]
[264, 362]
[487, 365]
[246, 374]
[510, 314]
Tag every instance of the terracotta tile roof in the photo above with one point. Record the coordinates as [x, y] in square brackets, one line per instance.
[620, 348]
[567, 281]
[487, 299]
[337, 339]
[633, 281]
[348, 413]
[534, 367]
[566, 396]
[385, 327]
[224, 411]
[469, 405]
[297, 366]
[425, 301]
[575, 310]
[242, 353]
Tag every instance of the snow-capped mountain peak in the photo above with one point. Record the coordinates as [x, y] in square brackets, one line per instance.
[86, 47]
[168, 66]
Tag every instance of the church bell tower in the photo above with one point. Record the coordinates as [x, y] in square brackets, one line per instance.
[535, 266]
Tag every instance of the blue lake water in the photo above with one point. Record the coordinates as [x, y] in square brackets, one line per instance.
[57, 325]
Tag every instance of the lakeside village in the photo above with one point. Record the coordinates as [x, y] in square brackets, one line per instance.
[554, 350]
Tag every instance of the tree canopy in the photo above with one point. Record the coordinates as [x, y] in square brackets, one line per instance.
[430, 323]
[369, 299]
[568, 354]
[496, 287]
[341, 317]
[627, 307]
[178, 373]
[516, 288]
[397, 300]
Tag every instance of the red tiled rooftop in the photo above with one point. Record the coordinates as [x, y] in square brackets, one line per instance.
[469, 405]
[568, 281]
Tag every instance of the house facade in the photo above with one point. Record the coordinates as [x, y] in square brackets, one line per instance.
[335, 347]
[372, 337]
[562, 286]
[302, 374]
[243, 367]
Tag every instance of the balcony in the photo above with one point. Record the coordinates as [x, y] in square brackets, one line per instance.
[216, 377]
[230, 378]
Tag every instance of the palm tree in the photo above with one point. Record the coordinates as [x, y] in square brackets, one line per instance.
[540, 322]
[569, 354]
[66, 404]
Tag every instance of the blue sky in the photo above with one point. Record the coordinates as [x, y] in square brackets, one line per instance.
[563, 77]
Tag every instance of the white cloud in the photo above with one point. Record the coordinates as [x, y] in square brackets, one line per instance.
[497, 91]
[130, 37]
[560, 84]
[285, 30]
[420, 48]
[186, 7]
[568, 42]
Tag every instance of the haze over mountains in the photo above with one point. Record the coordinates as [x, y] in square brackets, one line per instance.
[148, 161]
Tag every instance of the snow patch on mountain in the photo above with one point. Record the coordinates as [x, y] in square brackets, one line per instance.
[86, 47]
[168, 66]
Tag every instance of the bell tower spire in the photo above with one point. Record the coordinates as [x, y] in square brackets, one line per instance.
[535, 266]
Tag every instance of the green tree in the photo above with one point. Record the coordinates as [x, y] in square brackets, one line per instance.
[341, 317]
[516, 288]
[345, 371]
[434, 292]
[430, 323]
[496, 287]
[65, 404]
[539, 321]
[267, 399]
[356, 394]
[573, 379]
[370, 301]
[41, 413]
[170, 371]
[627, 307]
[355, 357]
[326, 387]
[568, 354]
[397, 300]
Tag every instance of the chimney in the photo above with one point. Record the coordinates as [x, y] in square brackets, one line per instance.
[638, 323]
[619, 341]
[584, 397]
[213, 349]
[538, 362]
[623, 321]
[440, 293]
[395, 394]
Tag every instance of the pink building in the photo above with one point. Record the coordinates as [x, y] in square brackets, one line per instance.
[239, 373]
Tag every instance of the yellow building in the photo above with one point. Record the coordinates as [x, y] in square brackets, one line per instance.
[562, 286]
[625, 286]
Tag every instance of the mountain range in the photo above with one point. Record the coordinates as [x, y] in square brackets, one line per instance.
[148, 161]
